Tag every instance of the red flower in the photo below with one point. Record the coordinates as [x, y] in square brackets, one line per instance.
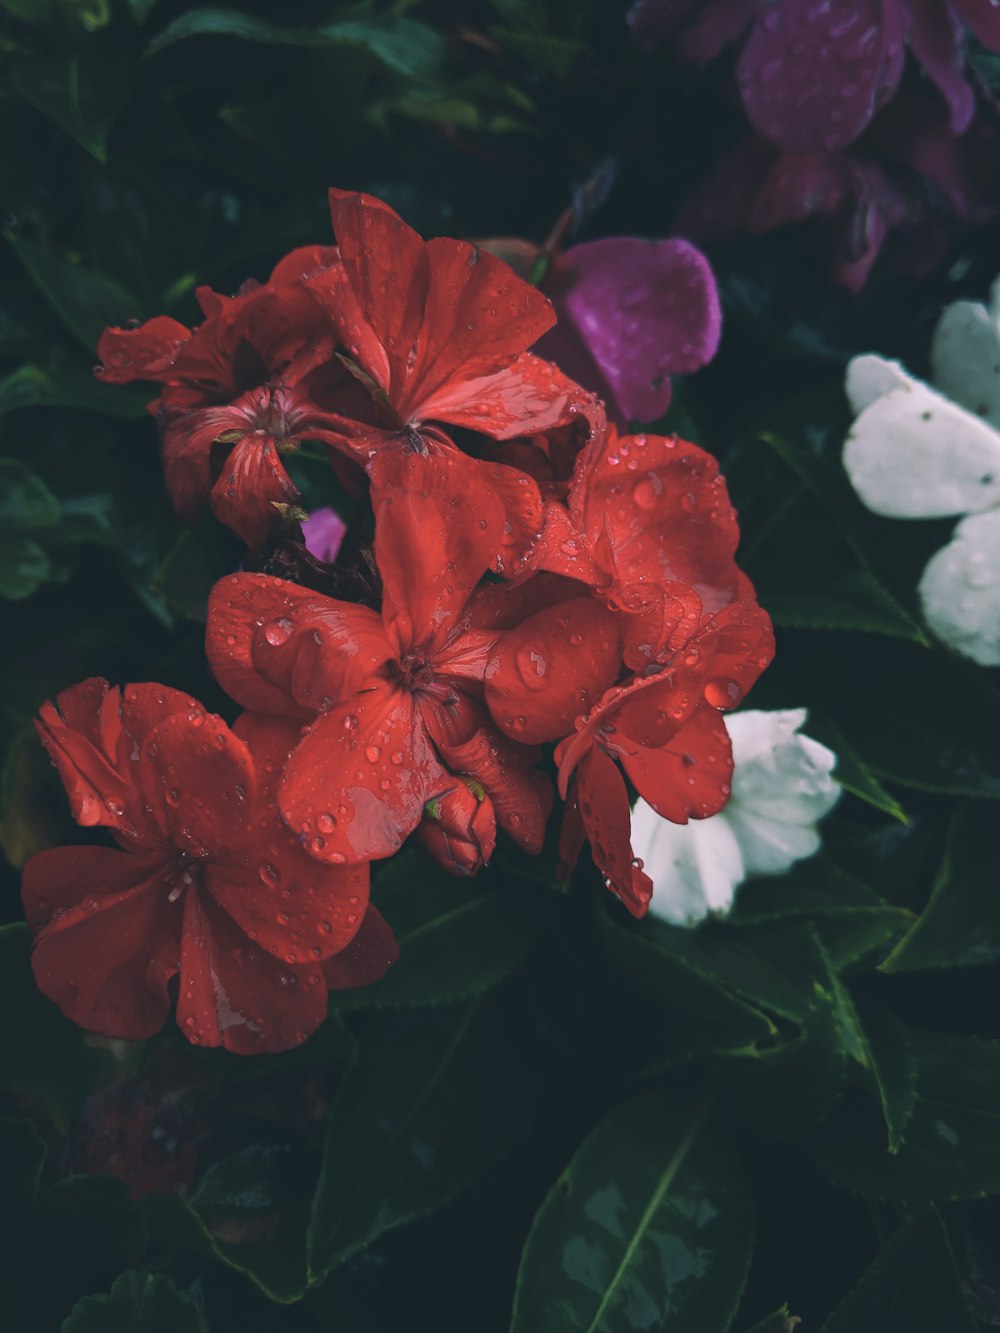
[396, 695]
[459, 829]
[239, 391]
[208, 886]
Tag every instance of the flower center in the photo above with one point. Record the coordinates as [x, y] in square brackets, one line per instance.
[412, 672]
[184, 873]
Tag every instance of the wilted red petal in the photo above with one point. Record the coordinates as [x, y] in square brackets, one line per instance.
[607, 818]
[935, 37]
[690, 777]
[234, 994]
[521, 796]
[368, 956]
[109, 938]
[356, 784]
[253, 479]
[199, 780]
[552, 669]
[145, 353]
[273, 644]
[436, 534]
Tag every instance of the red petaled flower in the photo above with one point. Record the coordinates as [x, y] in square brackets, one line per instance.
[208, 885]
[395, 696]
[238, 392]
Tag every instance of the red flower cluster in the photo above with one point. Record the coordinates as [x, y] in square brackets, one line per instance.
[534, 579]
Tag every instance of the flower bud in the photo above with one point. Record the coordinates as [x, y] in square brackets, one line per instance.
[459, 828]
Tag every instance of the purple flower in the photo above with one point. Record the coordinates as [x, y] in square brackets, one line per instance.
[631, 314]
[323, 531]
[812, 74]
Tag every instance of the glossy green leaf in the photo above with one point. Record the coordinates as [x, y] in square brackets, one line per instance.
[42, 1054]
[86, 301]
[912, 1284]
[960, 926]
[457, 938]
[401, 44]
[893, 1072]
[137, 1303]
[951, 1140]
[649, 1226]
[65, 382]
[843, 600]
[851, 771]
[83, 93]
[432, 1102]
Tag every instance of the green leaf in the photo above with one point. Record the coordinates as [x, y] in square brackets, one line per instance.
[401, 44]
[201, 556]
[137, 1303]
[849, 599]
[26, 503]
[24, 567]
[81, 91]
[86, 301]
[960, 926]
[42, 1054]
[457, 938]
[893, 1071]
[432, 1102]
[951, 1139]
[853, 774]
[649, 1226]
[912, 1284]
[64, 383]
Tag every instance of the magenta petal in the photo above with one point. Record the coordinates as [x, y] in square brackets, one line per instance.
[645, 310]
[717, 25]
[935, 37]
[323, 531]
[983, 17]
[798, 187]
[814, 71]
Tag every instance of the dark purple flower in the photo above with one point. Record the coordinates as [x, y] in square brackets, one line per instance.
[812, 74]
[631, 314]
[323, 531]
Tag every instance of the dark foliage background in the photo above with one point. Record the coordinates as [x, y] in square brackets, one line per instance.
[796, 1111]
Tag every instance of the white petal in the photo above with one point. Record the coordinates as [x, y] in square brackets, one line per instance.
[966, 359]
[914, 454]
[871, 376]
[695, 867]
[960, 590]
[782, 785]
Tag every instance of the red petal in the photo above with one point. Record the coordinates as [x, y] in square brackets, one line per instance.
[109, 938]
[82, 736]
[235, 995]
[691, 776]
[304, 262]
[356, 785]
[461, 834]
[145, 705]
[655, 509]
[743, 647]
[479, 316]
[332, 291]
[368, 956]
[145, 353]
[252, 481]
[521, 796]
[199, 779]
[436, 533]
[552, 669]
[528, 398]
[386, 265]
[608, 820]
[285, 900]
[273, 644]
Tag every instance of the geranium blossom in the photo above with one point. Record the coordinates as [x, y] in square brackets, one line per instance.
[207, 885]
[781, 787]
[238, 392]
[393, 697]
[917, 452]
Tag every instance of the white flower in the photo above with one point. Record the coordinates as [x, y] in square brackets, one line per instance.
[781, 788]
[918, 452]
